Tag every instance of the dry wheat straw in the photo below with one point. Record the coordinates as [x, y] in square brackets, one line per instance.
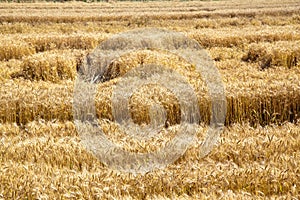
[50, 66]
[40, 153]
[286, 54]
[14, 49]
[259, 162]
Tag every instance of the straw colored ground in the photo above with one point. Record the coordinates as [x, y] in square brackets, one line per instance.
[255, 46]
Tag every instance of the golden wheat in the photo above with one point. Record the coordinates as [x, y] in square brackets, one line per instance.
[228, 37]
[273, 99]
[75, 41]
[241, 165]
[286, 54]
[54, 66]
[255, 46]
[14, 49]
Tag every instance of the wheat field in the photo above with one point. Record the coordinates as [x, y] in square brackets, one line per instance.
[254, 44]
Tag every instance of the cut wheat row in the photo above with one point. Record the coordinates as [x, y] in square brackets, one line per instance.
[18, 46]
[283, 53]
[272, 99]
[197, 5]
[248, 99]
[248, 160]
[60, 16]
[280, 54]
[118, 26]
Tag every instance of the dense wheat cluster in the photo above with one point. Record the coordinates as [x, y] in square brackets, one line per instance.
[254, 44]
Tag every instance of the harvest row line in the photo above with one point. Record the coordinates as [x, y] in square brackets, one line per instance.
[248, 159]
[167, 9]
[61, 17]
[147, 5]
[22, 101]
[286, 54]
[18, 46]
[57, 65]
[117, 26]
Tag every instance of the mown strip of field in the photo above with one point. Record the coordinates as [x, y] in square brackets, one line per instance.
[258, 97]
[255, 46]
[148, 11]
[132, 18]
[267, 90]
[247, 166]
